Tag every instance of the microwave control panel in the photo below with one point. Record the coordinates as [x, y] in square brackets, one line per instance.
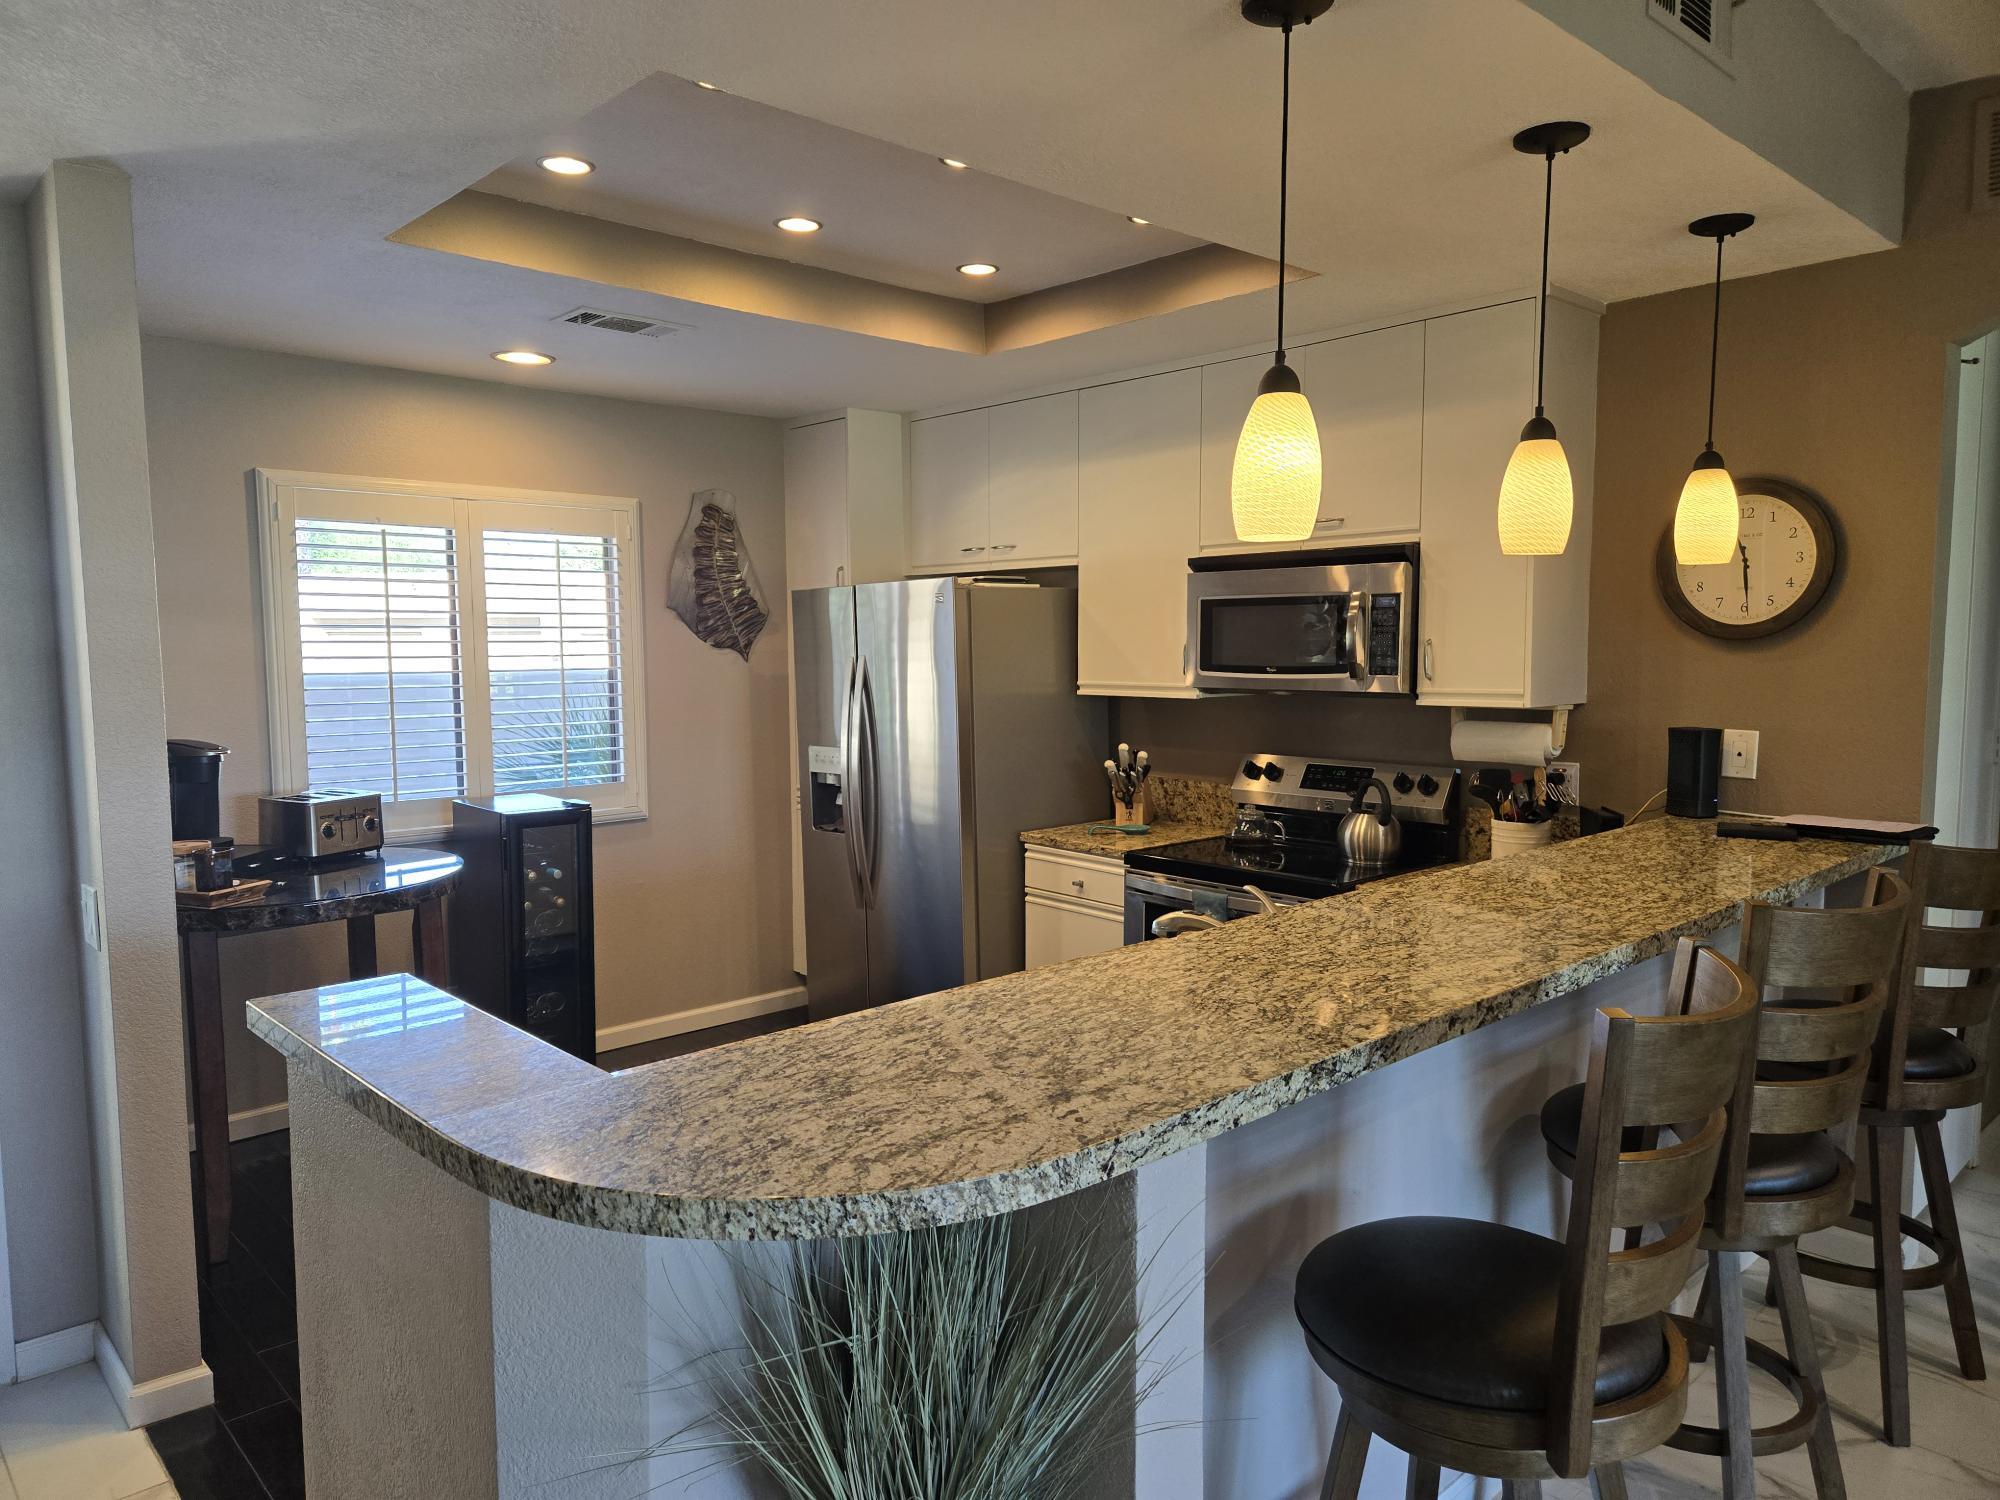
[1385, 632]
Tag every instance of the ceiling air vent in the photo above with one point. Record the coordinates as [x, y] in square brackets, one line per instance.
[1986, 154]
[1703, 24]
[610, 322]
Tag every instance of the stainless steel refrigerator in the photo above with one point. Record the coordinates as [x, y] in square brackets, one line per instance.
[937, 719]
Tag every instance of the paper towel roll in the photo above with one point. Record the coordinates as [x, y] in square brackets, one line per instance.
[1488, 742]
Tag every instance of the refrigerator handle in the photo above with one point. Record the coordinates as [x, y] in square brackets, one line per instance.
[849, 778]
[864, 713]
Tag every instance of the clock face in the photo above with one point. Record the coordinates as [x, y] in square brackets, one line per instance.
[1785, 554]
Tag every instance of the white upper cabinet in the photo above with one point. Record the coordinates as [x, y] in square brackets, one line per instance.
[1498, 631]
[996, 487]
[1031, 498]
[1367, 394]
[1139, 520]
[949, 482]
[844, 501]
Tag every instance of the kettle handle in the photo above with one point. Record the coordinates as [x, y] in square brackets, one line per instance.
[1360, 803]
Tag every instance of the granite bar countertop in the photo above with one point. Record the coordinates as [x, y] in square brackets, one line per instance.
[1102, 839]
[988, 1098]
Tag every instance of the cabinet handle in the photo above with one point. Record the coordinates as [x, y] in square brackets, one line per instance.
[1004, 546]
[1184, 658]
[1076, 885]
[1430, 658]
[1331, 523]
[972, 549]
[840, 576]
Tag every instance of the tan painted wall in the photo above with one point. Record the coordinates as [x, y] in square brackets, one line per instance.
[693, 904]
[1839, 377]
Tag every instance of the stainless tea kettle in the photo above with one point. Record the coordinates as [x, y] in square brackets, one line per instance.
[1370, 838]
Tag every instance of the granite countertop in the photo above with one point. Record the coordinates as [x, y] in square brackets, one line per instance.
[1101, 839]
[1020, 1089]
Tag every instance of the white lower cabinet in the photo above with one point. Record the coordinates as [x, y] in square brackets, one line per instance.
[1075, 905]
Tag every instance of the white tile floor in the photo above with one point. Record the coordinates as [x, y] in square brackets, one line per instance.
[62, 1437]
[1955, 1452]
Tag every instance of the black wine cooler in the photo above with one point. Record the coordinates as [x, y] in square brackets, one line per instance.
[521, 918]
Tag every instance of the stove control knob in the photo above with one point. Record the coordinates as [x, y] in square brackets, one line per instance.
[1252, 770]
[1273, 771]
[328, 829]
[1427, 785]
[1402, 783]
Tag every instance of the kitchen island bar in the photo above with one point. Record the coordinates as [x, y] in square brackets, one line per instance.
[1227, 1098]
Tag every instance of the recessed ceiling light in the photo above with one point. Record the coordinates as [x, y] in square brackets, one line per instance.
[523, 357]
[713, 88]
[953, 162]
[568, 166]
[1135, 219]
[798, 225]
[977, 268]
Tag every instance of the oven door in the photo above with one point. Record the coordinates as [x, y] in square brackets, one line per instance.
[1328, 628]
[1149, 897]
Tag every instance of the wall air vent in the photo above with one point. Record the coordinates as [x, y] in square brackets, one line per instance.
[610, 322]
[1703, 24]
[1986, 154]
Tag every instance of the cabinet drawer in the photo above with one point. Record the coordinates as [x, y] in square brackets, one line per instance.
[1058, 930]
[1080, 877]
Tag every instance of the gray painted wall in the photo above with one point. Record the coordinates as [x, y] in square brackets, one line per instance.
[694, 904]
[44, 1114]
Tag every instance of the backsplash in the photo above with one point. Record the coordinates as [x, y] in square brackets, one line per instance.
[1191, 799]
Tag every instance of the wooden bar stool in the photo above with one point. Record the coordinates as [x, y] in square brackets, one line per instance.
[1493, 1351]
[1782, 1175]
[1931, 1057]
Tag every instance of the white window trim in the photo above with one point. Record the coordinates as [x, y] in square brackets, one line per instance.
[284, 694]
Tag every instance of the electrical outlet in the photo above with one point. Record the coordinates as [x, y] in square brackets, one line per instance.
[93, 917]
[1739, 754]
[1571, 789]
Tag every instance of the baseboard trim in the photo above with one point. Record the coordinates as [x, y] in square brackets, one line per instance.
[54, 1351]
[152, 1400]
[245, 1123]
[674, 1023]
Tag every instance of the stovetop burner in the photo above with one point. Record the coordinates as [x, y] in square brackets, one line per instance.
[1296, 869]
[1301, 802]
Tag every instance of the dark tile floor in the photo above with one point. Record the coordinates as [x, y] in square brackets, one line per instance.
[247, 1446]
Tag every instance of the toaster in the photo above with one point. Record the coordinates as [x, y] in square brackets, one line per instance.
[321, 823]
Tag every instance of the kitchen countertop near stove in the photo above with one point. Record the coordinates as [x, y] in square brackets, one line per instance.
[1099, 838]
[1020, 1089]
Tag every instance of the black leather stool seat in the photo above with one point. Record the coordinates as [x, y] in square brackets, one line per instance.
[1935, 1053]
[1780, 1165]
[1457, 1310]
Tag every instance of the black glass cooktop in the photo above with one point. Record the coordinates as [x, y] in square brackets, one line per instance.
[1307, 870]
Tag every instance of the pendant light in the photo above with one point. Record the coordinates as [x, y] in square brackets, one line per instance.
[1274, 482]
[1705, 519]
[1537, 497]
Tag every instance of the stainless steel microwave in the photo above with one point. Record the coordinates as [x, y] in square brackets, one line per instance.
[1324, 622]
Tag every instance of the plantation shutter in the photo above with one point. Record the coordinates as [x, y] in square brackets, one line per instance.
[378, 636]
[553, 655]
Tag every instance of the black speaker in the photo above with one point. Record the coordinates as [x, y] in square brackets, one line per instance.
[1694, 772]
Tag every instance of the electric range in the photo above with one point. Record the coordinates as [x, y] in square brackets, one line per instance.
[1285, 840]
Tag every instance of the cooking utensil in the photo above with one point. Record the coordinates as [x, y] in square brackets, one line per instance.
[1367, 838]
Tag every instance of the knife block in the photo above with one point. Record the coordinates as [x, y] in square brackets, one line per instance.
[1138, 810]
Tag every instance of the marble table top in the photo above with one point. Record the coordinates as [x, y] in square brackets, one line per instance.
[1002, 1094]
[361, 885]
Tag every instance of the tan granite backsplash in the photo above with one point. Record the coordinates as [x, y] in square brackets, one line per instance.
[1190, 799]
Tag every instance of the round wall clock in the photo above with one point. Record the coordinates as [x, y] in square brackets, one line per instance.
[1786, 552]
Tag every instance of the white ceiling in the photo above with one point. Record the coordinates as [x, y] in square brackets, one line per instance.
[1926, 44]
[273, 147]
[714, 167]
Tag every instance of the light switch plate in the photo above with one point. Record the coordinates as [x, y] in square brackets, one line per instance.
[1739, 754]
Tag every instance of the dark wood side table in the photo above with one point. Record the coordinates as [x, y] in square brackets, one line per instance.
[355, 891]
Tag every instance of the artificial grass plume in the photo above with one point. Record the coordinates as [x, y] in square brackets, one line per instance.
[970, 1362]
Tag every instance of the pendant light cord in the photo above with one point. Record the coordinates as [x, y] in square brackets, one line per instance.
[1542, 333]
[1284, 182]
[1715, 341]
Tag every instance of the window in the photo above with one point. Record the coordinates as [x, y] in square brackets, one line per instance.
[431, 643]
